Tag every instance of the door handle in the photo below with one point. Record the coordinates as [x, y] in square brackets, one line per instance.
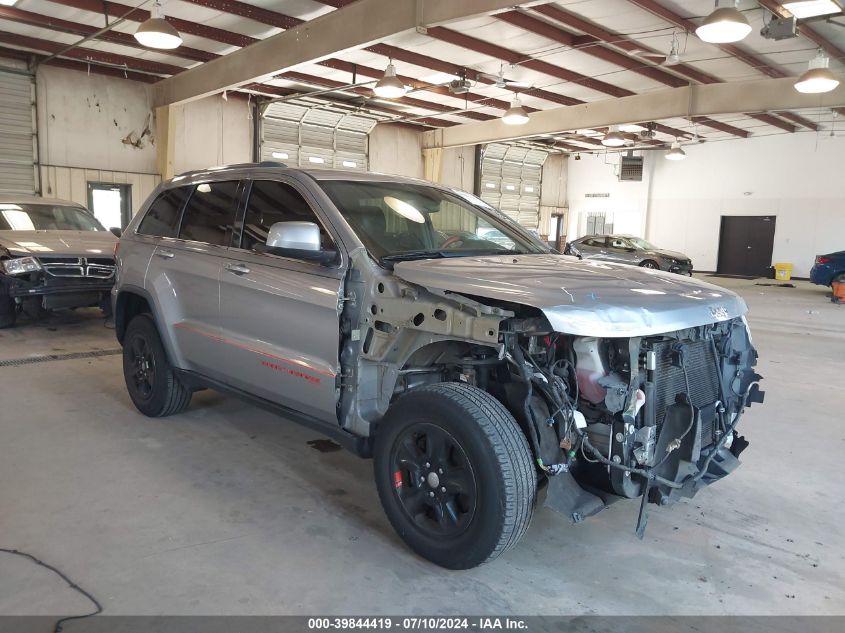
[238, 269]
[164, 254]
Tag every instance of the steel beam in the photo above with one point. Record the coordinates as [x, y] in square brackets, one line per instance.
[355, 26]
[713, 99]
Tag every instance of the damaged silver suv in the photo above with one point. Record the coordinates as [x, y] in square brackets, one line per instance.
[478, 373]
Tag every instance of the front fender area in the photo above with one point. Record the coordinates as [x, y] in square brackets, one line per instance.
[131, 301]
[384, 322]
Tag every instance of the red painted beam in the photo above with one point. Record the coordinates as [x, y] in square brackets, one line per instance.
[772, 120]
[252, 12]
[526, 61]
[139, 15]
[755, 62]
[89, 54]
[74, 28]
[618, 41]
[721, 127]
[791, 116]
[556, 34]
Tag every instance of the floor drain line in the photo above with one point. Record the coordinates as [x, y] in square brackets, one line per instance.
[16, 362]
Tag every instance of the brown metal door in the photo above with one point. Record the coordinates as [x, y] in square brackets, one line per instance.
[746, 244]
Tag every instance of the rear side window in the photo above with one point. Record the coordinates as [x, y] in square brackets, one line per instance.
[162, 219]
[595, 241]
[271, 201]
[209, 216]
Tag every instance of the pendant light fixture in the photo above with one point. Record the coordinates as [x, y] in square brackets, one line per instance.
[726, 24]
[675, 152]
[818, 77]
[613, 138]
[516, 114]
[390, 86]
[156, 32]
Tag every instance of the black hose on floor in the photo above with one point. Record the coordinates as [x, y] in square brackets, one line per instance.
[58, 626]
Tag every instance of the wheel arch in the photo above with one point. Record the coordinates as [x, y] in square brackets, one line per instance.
[134, 300]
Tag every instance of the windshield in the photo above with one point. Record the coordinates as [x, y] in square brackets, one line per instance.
[641, 243]
[46, 217]
[405, 221]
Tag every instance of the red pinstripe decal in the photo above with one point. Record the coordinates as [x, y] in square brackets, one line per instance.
[291, 361]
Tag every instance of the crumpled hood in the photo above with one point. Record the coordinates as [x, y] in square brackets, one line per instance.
[584, 298]
[58, 243]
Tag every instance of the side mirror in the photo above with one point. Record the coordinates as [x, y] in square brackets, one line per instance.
[117, 232]
[298, 240]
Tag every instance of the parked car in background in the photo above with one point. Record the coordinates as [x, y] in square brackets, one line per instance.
[472, 364]
[53, 254]
[628, 249]
[828, 268]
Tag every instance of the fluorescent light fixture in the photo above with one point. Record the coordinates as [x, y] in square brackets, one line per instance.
[281, 155]
[390, 86]
[316, 160]
[818, 77]
[516, 114]
[803, 9]
[156, 32]
[726, 24]
[407, 211]
[614, 138]
[675, 152]
[350, 163]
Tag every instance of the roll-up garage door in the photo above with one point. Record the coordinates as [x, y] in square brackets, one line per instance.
[308, 135]
[17, 134]
[510, 181]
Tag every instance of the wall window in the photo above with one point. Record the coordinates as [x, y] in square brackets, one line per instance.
[162, 219]
[271, 201]
[210, 213]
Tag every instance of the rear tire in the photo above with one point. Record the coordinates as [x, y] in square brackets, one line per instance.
[154, 387]
[650, 264]
[454, 474]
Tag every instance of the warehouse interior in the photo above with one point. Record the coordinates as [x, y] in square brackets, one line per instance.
[571, 117]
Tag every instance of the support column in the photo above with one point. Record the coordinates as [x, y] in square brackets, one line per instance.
[166, 141]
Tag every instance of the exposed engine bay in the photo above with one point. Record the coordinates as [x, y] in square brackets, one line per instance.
[652, 417]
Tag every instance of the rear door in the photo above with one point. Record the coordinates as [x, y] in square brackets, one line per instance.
[184, 274]
[279, 316]
[593, 248]
[621, 251]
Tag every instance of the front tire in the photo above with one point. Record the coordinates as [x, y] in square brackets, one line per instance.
[8, 311]
[154, 387]
[454, 474]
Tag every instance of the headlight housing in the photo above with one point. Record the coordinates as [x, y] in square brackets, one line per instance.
[21, 265]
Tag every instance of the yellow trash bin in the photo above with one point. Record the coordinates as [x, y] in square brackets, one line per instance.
[783, 272]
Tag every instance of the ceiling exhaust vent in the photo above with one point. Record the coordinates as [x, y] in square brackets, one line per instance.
[631, 168]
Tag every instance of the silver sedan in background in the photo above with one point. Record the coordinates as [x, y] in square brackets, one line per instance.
[628, 249]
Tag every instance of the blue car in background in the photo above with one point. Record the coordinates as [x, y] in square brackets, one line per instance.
[828, 268]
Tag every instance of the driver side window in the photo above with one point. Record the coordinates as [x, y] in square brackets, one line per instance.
[619, 243]
[271, 201]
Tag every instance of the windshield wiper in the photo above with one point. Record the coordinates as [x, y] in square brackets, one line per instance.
[411, 255]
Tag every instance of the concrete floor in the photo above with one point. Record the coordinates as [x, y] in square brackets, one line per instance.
[226, 509]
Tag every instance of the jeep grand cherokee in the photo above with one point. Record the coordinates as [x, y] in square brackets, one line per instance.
[475, 371]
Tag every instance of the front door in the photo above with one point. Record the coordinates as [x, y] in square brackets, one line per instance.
[746, 244]
[279, 317]
[594, 248]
